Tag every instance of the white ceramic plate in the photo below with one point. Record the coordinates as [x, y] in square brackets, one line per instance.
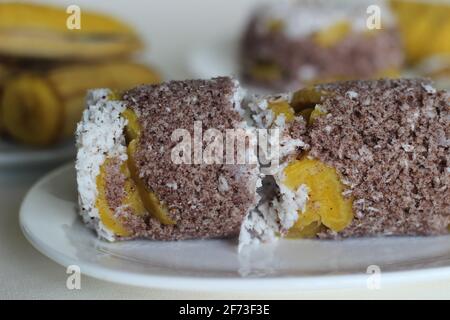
[14, 155]
[49, 221]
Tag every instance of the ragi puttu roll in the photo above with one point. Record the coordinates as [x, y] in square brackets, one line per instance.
[375, 162]
[291, 44]
[130, 186]
[351, 159]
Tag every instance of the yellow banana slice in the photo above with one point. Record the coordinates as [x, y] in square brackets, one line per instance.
[31, 111]
[282, 107]
[149, 199]
[106, 214]
[4, 73]
[326, 204]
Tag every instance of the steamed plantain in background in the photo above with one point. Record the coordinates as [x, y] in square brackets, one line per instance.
[42, 107]
[40, 31]
[425, 28]
[4, 74]
[46, 68]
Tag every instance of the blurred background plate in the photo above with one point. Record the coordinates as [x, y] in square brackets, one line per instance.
[16, 155]
[50, 222]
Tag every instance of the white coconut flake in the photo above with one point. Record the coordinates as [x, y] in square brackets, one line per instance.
[280, 121]
[347, 192]
[238, 96]
[258, 227]
[407, 147]
[99, 135]
[172, 185]
[352, 94]
[413, 119]
[281, 145]
[263, 224]
[276, 214]
[291, 203]
[223, 184]
[428, 88]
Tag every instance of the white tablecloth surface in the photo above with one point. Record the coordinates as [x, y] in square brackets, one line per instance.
[172, 27]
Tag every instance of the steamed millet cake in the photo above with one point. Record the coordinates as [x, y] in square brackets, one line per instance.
[129, 187]
[375, 162]
[391, 147]
[290, 44]
[354, 159]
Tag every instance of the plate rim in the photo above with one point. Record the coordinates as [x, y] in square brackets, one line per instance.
[28, 155]
[221, 284]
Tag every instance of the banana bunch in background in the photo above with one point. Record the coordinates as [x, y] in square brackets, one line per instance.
[31, 30]
[43, 107]
[46, 68]
[425, 29]
[4, 74]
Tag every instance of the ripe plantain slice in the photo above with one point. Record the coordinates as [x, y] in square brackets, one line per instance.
[106, 213]
[132, 130]
[40, 31]
[149, 199]
[282, 107]
[44, 107]
[315, 113]
[306, 102]
[307, 98]
[326, 205]
[31, 112]
[4, 74]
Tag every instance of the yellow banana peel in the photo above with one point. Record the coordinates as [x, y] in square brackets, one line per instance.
[43, 108]
[40, 31]
[425, 28]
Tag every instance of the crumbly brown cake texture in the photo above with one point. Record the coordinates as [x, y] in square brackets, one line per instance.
[191, 191]
[294, 44]
[355, 159]
[389, 141]
[201, 200]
